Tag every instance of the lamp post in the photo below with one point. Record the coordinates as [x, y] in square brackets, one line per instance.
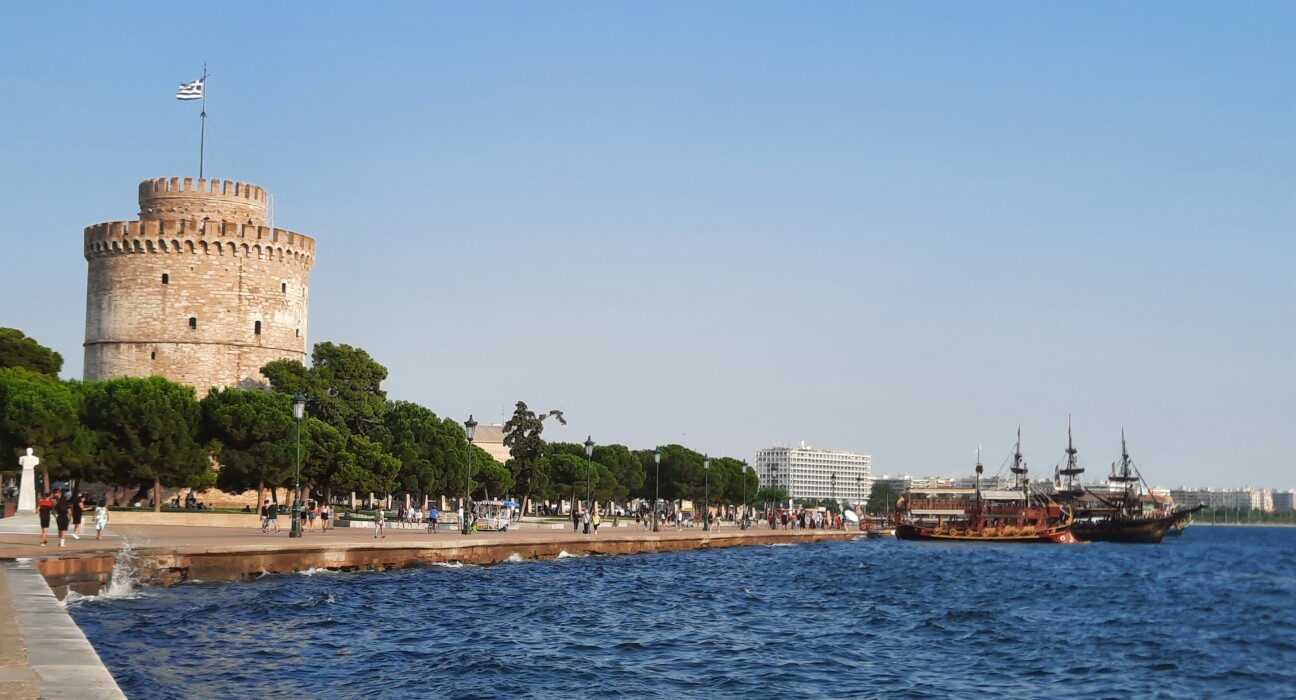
[470, 426]
[657, 487]
[834, 491]
[589, 455]
[299, 412]
[706, 492]
[743, 519]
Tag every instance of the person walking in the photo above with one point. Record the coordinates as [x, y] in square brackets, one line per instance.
[101, 518]
[325, 512]
[272, 516]
[62, 514]
[78, 512]
[380, 518]
[45, 508]
[575, 518]
[597, 519]
[585, 518]
[432, 519]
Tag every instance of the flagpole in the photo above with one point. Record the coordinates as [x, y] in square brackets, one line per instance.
[202, 134]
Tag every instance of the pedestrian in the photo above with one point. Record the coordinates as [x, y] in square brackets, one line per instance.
[324, 512]
[272, 516]
[597, 519]
[575, 518]
[265, 516]
[311, 515]
[62, 514]
[432, 518]
[101, 518]
[78, 511]
[45, 507]
[380, 518]
[585, 518]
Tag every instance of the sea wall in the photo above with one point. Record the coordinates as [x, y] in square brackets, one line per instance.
[87, 573]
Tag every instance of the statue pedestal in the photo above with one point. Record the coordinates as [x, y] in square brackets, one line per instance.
[27, 487]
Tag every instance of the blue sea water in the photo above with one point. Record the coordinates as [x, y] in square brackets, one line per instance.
[1209, 615]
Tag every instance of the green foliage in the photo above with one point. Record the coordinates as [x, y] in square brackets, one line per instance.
[526, 448]
[625, 473]
[17, 350]
[771, 495]
[882, 497]
[148, 429]
[433, 452]
[253, 438]
[343, 386]
[43, 413]
[490, 478]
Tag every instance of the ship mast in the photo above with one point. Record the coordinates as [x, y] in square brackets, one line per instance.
[1019, 468]
[1073, 468]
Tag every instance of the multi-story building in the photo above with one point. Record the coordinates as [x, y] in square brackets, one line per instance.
[1284, 500]
[805, 472]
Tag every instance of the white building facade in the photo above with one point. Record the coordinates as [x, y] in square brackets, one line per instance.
[805, 472]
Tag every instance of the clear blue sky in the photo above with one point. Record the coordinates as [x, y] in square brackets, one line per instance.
[895, 228]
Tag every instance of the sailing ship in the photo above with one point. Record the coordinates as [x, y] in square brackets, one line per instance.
[996, 517]
[1130, 514]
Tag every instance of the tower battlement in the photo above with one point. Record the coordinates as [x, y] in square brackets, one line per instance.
[222, 238]
[190, 198]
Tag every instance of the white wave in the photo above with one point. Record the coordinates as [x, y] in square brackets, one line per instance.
[564, 554]
[449, 564]
[781, 544]
[514, 558]
[316, 570]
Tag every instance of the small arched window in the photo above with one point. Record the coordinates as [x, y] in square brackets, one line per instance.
[166, 279]
[193, 322]
[153, 355]
[283, 287]
[257, 328]
[298, 332]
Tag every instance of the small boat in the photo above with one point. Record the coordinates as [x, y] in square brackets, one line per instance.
[1000, 517]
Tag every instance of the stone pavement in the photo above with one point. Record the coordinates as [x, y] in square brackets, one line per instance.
[43, 654]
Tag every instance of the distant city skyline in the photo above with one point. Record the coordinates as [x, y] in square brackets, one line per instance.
[892, 229]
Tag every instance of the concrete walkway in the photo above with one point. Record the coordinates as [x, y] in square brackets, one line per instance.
[43, 654]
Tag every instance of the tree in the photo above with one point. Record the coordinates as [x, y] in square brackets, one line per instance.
[882, 497]
[526, 447]
[343, 385]
[323, 449]
[771, 495]
[625, 471]
[433, 452]
[489, 476]
[43, 413]
[364, 467]
[149, 430]
[17, 350]
[252, 437]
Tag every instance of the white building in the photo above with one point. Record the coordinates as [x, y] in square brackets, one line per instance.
[805, 472]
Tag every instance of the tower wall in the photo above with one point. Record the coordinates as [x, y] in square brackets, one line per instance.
[176, 296]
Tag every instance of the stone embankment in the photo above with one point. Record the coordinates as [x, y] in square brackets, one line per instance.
[153, 560]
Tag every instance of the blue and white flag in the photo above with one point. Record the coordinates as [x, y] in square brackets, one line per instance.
[190, 91]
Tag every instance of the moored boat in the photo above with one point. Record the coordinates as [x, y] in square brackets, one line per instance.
[1017, 516]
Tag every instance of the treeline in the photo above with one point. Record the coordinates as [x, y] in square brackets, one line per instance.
[150, 433]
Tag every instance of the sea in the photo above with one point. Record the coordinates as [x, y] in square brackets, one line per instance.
[1211, 614]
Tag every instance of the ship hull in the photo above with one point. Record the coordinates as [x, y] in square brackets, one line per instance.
[1129, 530]
[1061, 535]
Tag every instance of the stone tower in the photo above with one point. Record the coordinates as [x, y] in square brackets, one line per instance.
[198, 290]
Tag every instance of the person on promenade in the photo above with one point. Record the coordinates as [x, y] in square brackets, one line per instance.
[311, 515]
[380, 518]
[575, 518]
[101, 518]
[432, 518]
[324, 513]
[78, 512]
[585, 518]
[45, 507]
[62, 514]
[597, 519]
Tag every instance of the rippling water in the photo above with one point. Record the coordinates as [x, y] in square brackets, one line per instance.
[1211, 614]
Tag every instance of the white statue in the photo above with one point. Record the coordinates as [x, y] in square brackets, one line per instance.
[27, 485]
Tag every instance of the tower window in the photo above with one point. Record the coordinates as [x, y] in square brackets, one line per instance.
[283, 287]
[166, 279]
[298, 332]
[193, 322]
[257, 328]
[153, 355]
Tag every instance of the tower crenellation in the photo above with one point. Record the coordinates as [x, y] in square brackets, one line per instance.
[198, 289]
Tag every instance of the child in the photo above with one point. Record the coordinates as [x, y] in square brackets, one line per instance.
[101, 518]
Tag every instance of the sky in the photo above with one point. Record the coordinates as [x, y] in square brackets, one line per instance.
[902, 229]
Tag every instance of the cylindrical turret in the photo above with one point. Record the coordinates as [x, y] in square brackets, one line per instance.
[214, 200]
[192, 291]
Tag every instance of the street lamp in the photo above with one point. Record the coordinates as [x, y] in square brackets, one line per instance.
[706, 492]
[657, 486]
[589, 454]
[743, 525]
[299, 412]
[470, 427]
[834, 491]
[859, 489]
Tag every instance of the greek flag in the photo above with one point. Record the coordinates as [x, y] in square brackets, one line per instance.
[190, 91]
